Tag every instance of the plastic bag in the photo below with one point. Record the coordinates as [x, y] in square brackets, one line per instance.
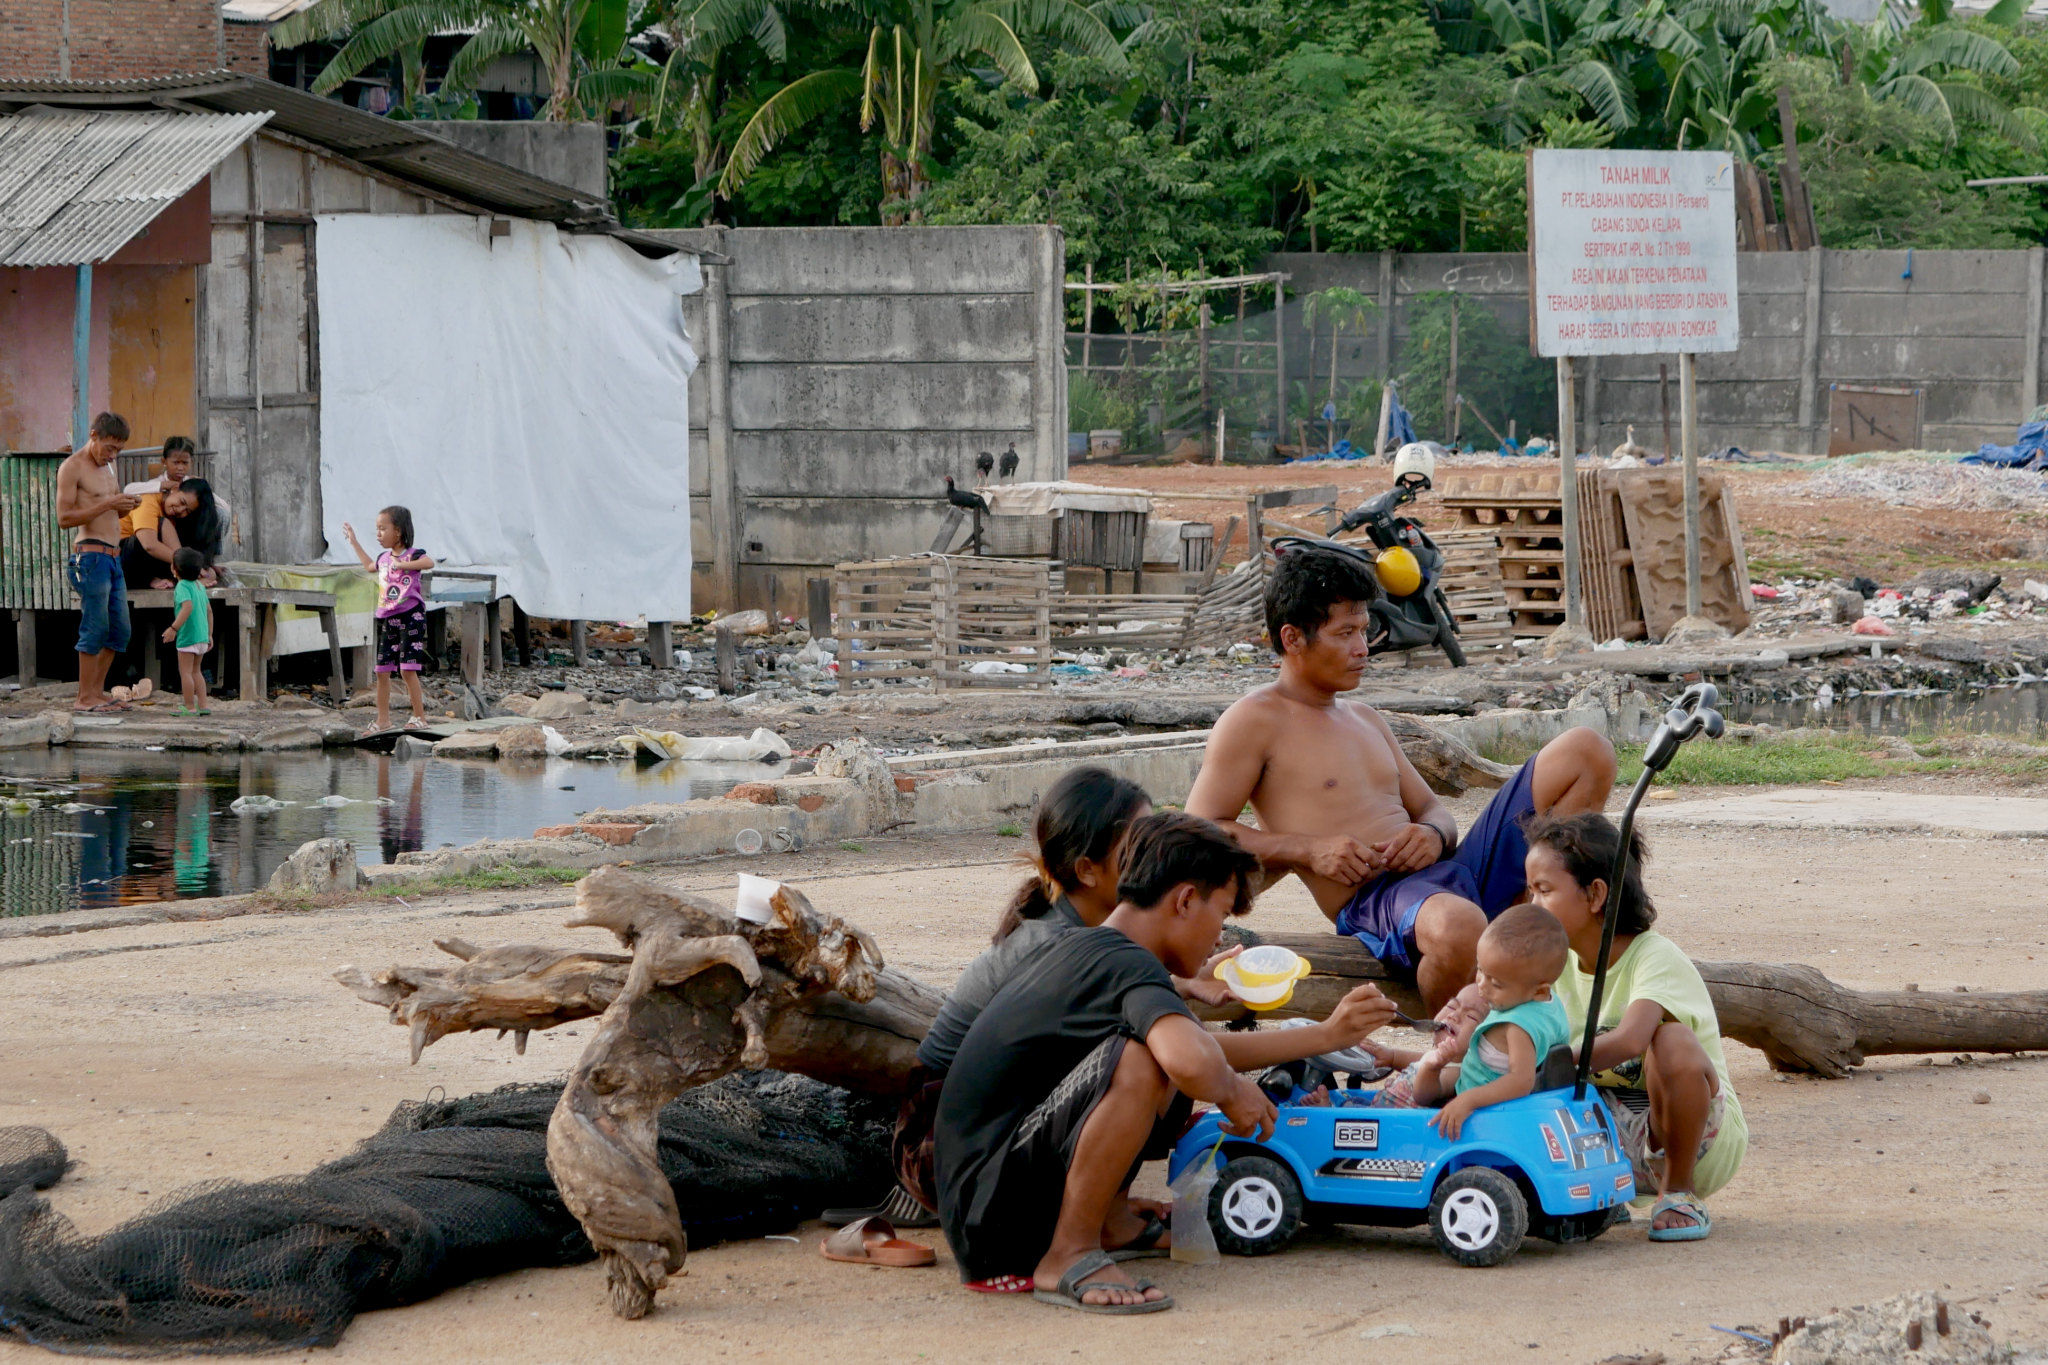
[1194, 1241]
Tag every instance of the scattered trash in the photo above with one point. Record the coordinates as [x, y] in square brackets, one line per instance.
[1763, 592]
[257, 805]
[556, 744]
[748, 841]
[991, 666]
[1911, 1327]
[654, 746]
[1922, 483]
[753, 621]
[1870, 625]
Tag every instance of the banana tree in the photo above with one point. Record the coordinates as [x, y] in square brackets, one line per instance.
[581, 44]
[687, 95]
[1924, 65]
[915, 48]
[1547, 44]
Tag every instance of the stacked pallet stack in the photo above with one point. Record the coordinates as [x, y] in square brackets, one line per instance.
[1472, 586]
[1631, 548]
[938, 616]
[1519, 508]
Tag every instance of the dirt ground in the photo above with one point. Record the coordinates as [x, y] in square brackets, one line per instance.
[1784, 536]
[175, 1053]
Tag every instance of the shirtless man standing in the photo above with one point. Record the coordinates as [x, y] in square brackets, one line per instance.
[89, 498]
[1340, 806]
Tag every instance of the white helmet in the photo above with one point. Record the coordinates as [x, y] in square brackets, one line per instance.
[1415, 462]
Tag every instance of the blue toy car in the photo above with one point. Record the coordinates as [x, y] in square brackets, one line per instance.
[1544, 1165]
[1549, 1164]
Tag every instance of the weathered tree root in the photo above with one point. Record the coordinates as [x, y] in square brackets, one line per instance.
[702, 994]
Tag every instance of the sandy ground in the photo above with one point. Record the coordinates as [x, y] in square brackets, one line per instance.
[175, 1053]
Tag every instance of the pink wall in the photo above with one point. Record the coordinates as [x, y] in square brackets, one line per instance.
[143, 314]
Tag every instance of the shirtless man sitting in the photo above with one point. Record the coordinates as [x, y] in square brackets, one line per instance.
[89, 499]
[1341, 807]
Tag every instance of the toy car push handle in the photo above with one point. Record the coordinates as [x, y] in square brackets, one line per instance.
[1691, 715]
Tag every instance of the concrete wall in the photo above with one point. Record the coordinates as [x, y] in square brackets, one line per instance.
[570, 154]
[846, 372]
[1963, 325]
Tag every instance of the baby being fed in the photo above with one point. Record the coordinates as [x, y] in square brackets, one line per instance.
[1501, 1027]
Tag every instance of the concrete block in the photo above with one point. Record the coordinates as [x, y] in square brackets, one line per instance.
[559, 706]
[468, 744]
[864, 464]
[27, 732]
[571, 154]
[289, 737]
[815, 532]
[919, 260]
[318, 868]
[522, 741]
[919, 328]
[936, 397]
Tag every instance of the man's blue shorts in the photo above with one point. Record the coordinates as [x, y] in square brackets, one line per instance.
[1486, 869]
[102, 601]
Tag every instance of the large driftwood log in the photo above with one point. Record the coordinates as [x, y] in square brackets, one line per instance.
[1795, 1016]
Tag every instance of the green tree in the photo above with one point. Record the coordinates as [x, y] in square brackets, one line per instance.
[581, 44]
[915, 48]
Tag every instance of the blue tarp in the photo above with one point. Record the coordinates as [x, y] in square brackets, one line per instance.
[2030, 451]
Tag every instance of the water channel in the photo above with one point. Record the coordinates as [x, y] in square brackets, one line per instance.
[115, 827]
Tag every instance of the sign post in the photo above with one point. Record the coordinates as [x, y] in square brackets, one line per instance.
[1632, 253]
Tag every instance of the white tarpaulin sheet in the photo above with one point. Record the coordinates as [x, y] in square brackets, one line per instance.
[1062, 495]
[525, 396]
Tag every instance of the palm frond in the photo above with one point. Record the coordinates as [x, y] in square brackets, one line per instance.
[474, 57]
[985, 32]
[1071, 23]
[1504, 20]
[1975, 105]
[770, 34]
[721, 23]
[1959, 48]
[787, 110]
[398, 27]
[2006, 13]
[325, 19]
[1922, 96]
[1612, 100]
[609, 85]
[1124, 14]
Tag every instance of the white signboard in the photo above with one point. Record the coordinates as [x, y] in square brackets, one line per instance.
[1633, 252]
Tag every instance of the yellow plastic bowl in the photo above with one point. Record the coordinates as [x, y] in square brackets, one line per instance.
[1268, 965]
[1266, 997]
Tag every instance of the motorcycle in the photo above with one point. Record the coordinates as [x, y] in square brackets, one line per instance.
[1413, 612]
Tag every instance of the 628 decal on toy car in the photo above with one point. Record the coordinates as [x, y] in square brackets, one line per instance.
[1357, 1135]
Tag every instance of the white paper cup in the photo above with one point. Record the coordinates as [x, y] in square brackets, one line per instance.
[753, 904]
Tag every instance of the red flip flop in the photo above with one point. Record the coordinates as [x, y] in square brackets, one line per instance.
[873, 1241]
[1003, 1284]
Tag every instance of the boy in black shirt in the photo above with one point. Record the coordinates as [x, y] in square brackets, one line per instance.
[1087, 1062]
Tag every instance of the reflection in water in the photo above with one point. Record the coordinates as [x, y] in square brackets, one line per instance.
[157, 826]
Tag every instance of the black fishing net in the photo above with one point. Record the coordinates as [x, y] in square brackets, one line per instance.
[447, 1191]
[30, 1156]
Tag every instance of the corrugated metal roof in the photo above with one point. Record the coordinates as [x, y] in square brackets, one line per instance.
[390, 145]
[76, 185]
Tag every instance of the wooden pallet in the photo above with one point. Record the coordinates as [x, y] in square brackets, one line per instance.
[1472, 586]
[934, 616]
[1091, 620]
[1528, 525]
[1231, 608]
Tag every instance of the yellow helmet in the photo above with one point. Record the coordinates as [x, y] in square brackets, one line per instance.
[1399, 572]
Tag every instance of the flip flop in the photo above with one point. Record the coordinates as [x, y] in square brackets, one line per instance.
[873, 1241]
[1687, 1204]
[1074, 1284]
[900, 1208]
[1145, 1246]
[1003, 1284]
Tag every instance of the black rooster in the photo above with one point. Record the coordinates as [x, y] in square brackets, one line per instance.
[973, 502]
[984, 464]
[1010, 458]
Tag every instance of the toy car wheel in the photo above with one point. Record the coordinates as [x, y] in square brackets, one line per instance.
[1256, 1206]
[1478, 1216]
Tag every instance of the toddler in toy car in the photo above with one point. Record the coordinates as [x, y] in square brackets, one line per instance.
[1521, 955]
